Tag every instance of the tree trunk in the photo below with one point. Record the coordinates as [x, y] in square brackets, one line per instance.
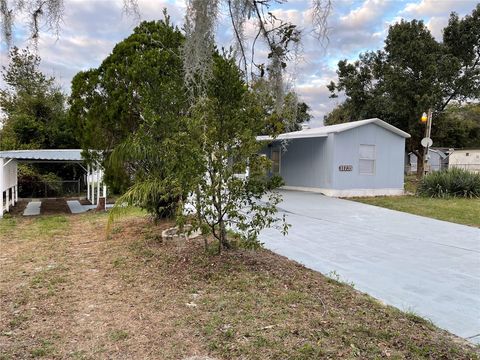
[419, 155]
[224, 244]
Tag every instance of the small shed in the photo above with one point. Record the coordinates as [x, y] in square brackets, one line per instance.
[9, 161]
[437, 160]
[360, 158]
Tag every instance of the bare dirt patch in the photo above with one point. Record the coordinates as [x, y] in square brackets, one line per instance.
[54, 206]
[85, 202]
[69, 291]
[18, 208]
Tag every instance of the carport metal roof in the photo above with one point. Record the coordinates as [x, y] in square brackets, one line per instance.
[55, 155]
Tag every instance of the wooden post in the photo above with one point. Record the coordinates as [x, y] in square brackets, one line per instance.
[428, 132]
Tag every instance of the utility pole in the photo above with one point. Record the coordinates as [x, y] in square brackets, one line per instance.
[428, 131]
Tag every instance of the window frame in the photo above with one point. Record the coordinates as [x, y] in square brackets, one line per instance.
[374, 159]
[279, 150]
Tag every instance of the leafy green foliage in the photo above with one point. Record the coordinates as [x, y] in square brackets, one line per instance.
[195, 166]
[35, 118]
[451, 183]
[173, 155]
[412, 73]
[458, 127]
[32, 183]
[288, 117]
[137, 89]
[161, 169]
[339, 115]
[34, 107]
[223, 127]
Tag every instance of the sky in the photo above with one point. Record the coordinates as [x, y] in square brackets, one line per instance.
[91, 28]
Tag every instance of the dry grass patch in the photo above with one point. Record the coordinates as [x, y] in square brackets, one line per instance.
[68, 291]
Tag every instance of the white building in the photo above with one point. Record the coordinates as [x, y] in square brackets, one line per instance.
[468, 159]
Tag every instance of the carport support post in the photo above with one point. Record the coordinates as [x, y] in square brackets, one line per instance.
[88, 183]
[1, 187]
[98, 185]
[92, 184]
[16, 183]
[105, 193]
[7, 200]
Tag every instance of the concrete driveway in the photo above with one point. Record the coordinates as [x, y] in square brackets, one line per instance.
[417, 264]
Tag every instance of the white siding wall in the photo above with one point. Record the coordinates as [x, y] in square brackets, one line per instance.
[8, 184]
[460, 159]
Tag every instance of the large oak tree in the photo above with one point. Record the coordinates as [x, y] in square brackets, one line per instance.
[413, 73]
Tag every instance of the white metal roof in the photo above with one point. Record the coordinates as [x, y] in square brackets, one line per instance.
[44, 155]
[325, 130]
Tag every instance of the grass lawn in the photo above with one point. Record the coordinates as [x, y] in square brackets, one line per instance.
[69, 292]
[461, 211]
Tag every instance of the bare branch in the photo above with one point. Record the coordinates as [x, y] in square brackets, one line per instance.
[321, 10]
[7, 21]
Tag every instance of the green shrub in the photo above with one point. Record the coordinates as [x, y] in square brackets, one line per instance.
[450, 183]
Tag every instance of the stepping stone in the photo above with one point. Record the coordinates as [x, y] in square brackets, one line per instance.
[75, 207]
[33, 208]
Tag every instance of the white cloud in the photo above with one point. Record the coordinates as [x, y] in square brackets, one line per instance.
[436, 25]
[364, 15]
[426, 8]
[91, 28]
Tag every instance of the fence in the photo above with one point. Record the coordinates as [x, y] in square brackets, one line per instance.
[469, 167]
[412, 169]
[40, 189]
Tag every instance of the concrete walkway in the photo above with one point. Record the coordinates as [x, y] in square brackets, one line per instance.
[77, 208]
[418, 264]
[33, 208]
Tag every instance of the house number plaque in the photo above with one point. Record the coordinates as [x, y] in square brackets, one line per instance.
[345, 167]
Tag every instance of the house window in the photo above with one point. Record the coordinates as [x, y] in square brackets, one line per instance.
[366, 164]
[276, 161]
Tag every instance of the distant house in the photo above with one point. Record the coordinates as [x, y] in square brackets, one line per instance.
[445, 158]
[360, 158]
[468, 159]
[437, 160]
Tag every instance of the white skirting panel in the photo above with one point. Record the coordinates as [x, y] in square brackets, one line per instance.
[348, 192]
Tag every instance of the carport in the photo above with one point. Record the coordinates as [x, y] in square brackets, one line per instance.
[9, 161]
